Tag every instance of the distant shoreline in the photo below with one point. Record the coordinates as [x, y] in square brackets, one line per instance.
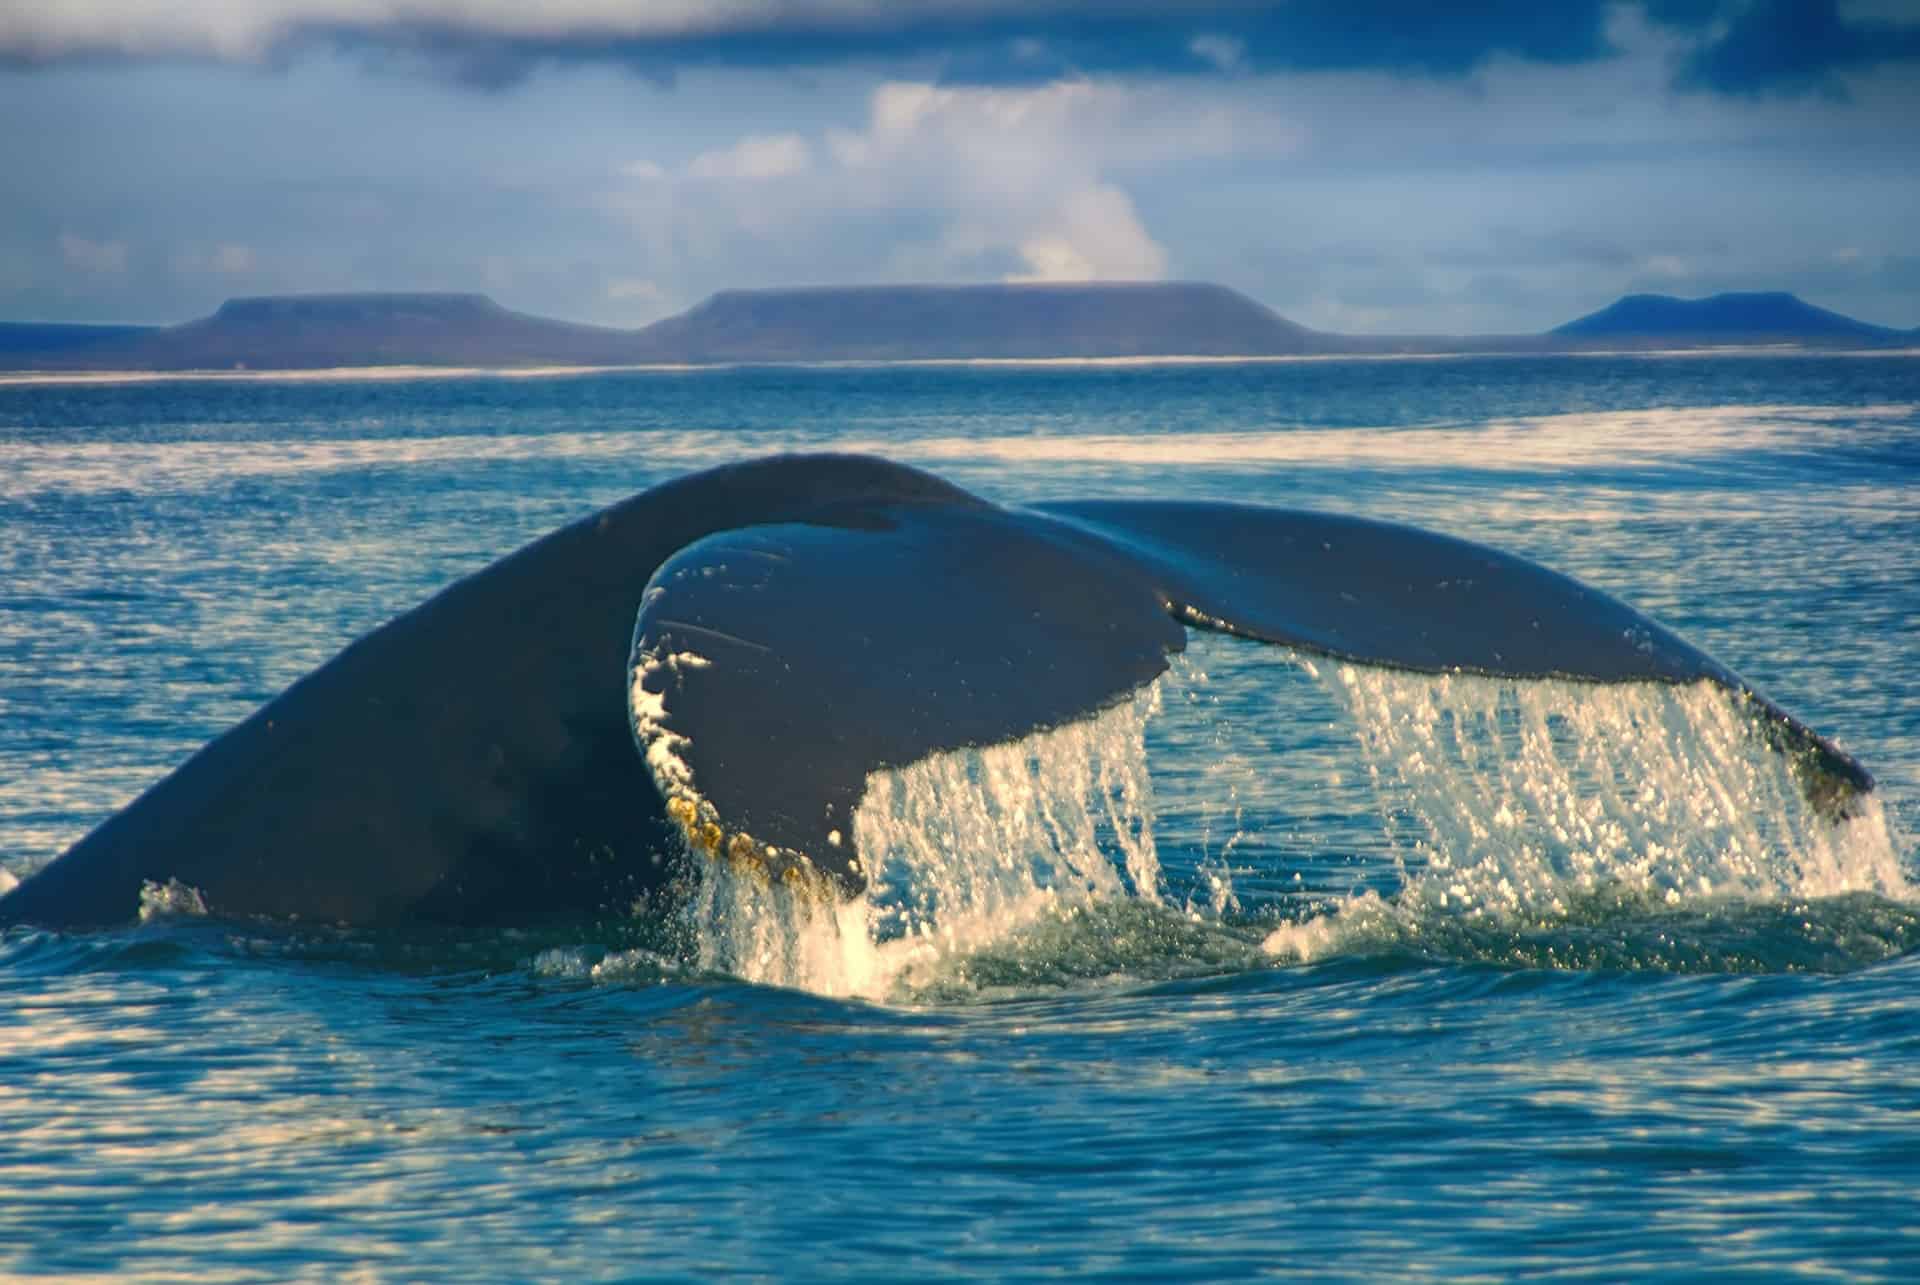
[402, 374]
[320, 375]
[427, 336]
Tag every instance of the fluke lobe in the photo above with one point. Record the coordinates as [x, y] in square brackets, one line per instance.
[721, 661]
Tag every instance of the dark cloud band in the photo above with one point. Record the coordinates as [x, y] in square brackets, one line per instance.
[1041, 43]
[1741, 46]
[1795, 46]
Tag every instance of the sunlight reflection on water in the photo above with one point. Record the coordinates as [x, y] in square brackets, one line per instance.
[1134, 1087]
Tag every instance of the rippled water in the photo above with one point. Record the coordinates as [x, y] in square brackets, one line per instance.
[1285, 967]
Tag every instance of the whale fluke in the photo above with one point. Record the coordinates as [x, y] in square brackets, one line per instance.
[776, 666]
[728, 655]
[1390, 595]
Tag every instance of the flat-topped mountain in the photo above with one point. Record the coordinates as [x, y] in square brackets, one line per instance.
[867, 323]
[881, 323]
[861, 323]
[1736, 317]
[295, 332]
[24, 342]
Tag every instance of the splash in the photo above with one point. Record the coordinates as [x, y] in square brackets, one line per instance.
[967, 848]
[1537, 824]
[170, 900]
[1516, 809]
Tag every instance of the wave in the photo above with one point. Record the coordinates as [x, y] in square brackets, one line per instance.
[1572, 442]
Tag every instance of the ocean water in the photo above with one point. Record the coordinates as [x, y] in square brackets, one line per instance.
[1284, 968]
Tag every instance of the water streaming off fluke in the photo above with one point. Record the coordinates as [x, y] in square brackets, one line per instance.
[967, 848]
[1527, 820]
[1534, 824]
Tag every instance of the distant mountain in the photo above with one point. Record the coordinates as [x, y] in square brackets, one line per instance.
[295, 332]
[865, 323]
[861, 323]
[881, 323]
[25, 341]
[1728, 318]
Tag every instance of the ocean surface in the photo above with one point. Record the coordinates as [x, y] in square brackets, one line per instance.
[1286, 968]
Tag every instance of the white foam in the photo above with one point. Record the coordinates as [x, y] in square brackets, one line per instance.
[660, 745]
[172, 900]
[577, 964]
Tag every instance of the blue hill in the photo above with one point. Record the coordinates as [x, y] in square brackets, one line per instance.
[27, 341]
[865, 323]
[1743, 316]
[868, 323]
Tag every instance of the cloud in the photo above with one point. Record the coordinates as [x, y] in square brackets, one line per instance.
[939, 182]
[1736, 47]
[1095, 234]
[1026, 177]
[1786, 46]
[1224, 52]
[758, 157]
[233, 260]
[496, 42]
[1513, 199]
[634, 289]
[93, 256]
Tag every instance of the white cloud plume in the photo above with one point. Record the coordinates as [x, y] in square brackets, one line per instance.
[1094, 234]
[629, 289]
[1022, 172]
[234, 260]
[759, 156]
[83, 255]
[1225, 52]
[938, 183]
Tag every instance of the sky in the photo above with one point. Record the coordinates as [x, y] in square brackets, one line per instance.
[1357, 165]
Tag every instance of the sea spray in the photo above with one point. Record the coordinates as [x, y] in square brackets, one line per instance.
[966, 847]
[1549, 824]
[1546, 806]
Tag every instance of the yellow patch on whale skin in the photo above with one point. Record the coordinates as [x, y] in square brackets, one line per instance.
[700, 824]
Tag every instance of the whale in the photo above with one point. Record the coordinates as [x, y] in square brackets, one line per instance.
[715, 666]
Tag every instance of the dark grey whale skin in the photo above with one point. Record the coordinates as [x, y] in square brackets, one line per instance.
[470, 760]
[473, 761]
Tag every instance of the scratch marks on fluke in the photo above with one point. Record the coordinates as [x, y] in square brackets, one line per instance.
[697, 819]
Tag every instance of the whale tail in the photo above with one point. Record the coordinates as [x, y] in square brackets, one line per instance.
[1394, 596]
[776, 666]
[770, 633]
